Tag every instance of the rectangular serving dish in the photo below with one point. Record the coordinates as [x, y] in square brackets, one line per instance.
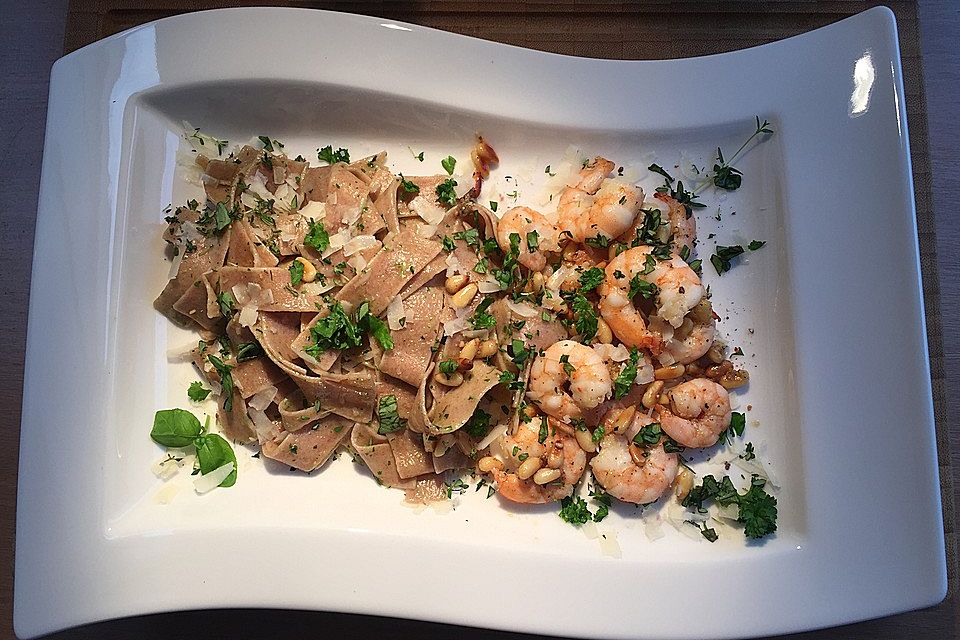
[829, 313]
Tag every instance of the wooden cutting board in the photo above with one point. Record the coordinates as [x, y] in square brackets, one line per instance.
[602, 29]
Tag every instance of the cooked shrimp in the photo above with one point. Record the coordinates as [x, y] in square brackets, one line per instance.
[559, 450]
[683, 227]
[581, 366]
[690, 345]
[523, 221]
[678, 290]
[698, 412]
[617, 471]
[596, 205]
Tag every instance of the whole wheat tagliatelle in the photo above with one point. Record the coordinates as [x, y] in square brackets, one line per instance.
[341, 305]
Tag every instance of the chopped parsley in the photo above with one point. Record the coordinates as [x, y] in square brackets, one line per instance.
[641, 286]
[226, 303]
[722, 257]
[724, 175]
[586, 318]
[480, 318]
[493, 205]
[544, 430]
[591, 278]
[648, 435]
[627, 376]
[756, 244]
[296, 273]
[446, 194]
[196, 392]
[574, 511]
[479, 424]
[328, 155]
[533, 241]
[317, 237]
[249, 351]
[341, 331]
[448, 244]
[448, 164]
[408, 186]
[448, 366]
[757, 508]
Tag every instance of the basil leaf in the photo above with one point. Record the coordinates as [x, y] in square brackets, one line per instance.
[175, 428]
[212, 453]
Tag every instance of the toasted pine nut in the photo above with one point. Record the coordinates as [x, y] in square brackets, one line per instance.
[683, 483]
[488, 464]
[454, 379]
[623, 419]
[637, 455]
[309, 271]
[715, 352]
[652, 394]
[604, 334]
[702, 312]
[602, 264]
[569, 250]
[529, 467]
[545, 476]
[664, 399]
[585, 440]
[537, 281]
[486, 349]
[683, 331]
[718, 370]
[469, 350]
[668, 373]
[530, 411]
[455, 283]
[555, 458]
[734, 379]
[463, 297]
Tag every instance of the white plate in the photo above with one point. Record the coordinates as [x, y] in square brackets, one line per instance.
[840, 388]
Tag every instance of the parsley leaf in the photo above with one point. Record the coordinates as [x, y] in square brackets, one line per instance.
[480, 318]
[317, 237]
[446, 193]
[586, 318]
[225, 301]
[758, 510]
[296, 273]
[408, 186]
[602, 498]
[574, 511]
[339, 331]
[478, 425]
[196, 392]
[722, 257]
[448, 164]
[380, 331]
[533, 241]
[448, 244]
[249, 351]
[591, 278]
[641, 286]
[627, 376]
[328, 155]
[448, 366]
[756, 244]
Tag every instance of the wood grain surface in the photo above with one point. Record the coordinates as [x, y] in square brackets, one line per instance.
[34, 34]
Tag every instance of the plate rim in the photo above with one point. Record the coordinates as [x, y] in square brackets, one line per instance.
[884, 21]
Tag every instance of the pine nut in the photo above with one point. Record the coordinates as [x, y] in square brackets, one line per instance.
[719, 370]
[637, 455]
[538, 281]
[488, 464]
[454, 379]
[668, 373]
[455, 283]
[555, 458]
[734, 379]
[469, 350]
[623, 419]
[604, 334]
[664, 399]
[545, 476]
[715, 352]
[694, 371]
[585, 440]
[702, 312]
[529, 467]
[683, 483]
[530, 411]
[463, 297]
[309, 271]
[652, 394]
[487, 348]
